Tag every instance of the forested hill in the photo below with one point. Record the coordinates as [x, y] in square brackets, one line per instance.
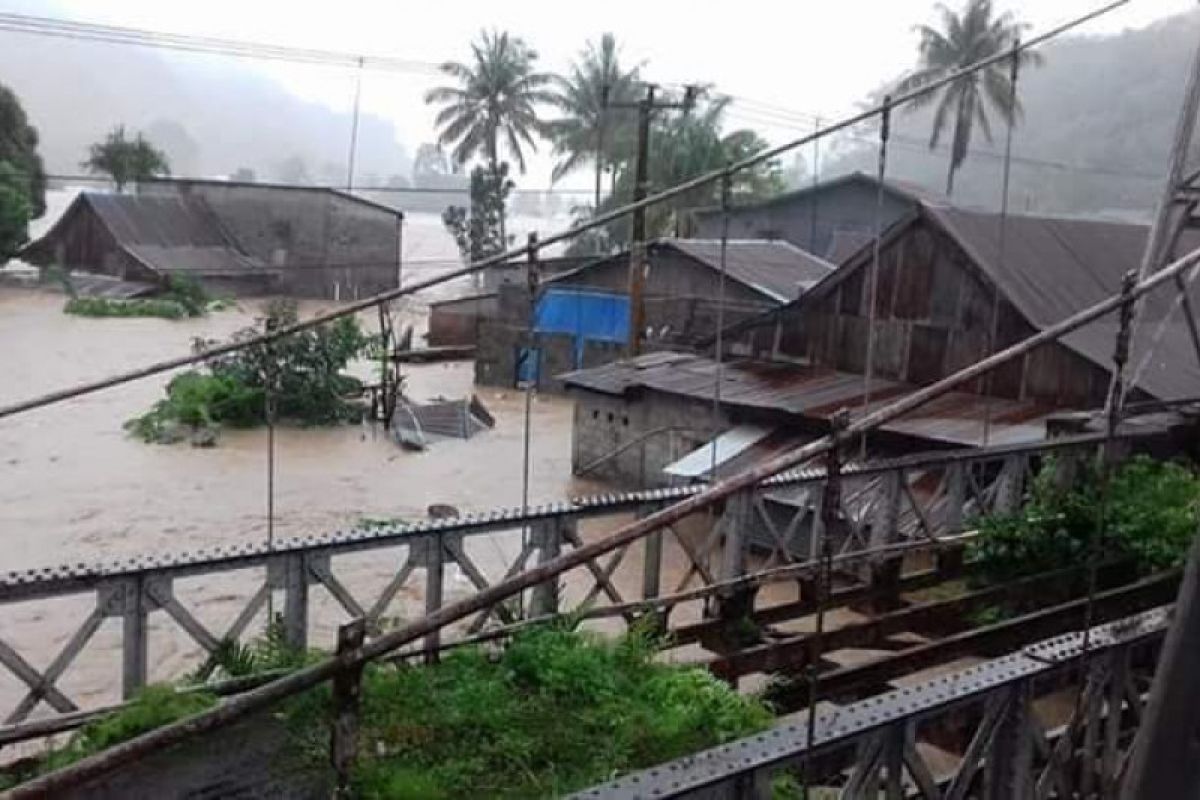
[1105, 104]
[211, 115]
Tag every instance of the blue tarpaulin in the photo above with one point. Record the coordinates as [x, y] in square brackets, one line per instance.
[586, 315]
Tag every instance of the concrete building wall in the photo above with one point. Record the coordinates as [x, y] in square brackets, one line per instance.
[655, 429]
[808, 220]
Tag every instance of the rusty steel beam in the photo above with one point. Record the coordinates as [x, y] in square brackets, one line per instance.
[791, 653]
[1006, 635]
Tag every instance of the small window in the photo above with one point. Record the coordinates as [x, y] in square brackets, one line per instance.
[625, 421]
[595, 414]
[610, 416]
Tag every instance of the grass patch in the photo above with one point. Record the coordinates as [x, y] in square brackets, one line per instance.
[152, 707]
[556, 711]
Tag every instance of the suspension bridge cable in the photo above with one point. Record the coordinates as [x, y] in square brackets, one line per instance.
[876, 246]
[597, 221]
[993, 332]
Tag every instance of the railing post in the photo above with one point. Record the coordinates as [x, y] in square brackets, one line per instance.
[295, 600]
[651, 560]
[347, 691]
[133, 639]
[949, 560]
[435, 559]
[884, 571]
[548, 539]
[1009, 771]
[735, 604]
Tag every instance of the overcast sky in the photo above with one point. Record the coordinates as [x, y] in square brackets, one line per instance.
[783, 60]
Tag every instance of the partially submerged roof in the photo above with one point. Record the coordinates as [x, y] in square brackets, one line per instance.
[166, 234]
[182, 184]
[815, 392]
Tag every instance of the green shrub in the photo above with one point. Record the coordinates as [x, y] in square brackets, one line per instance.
[556, 711]
[183, 297]
[304, 369]
[138, 307]
[152, 707]
[1150, 517]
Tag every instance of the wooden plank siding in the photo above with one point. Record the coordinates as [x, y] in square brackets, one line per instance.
[933, 312]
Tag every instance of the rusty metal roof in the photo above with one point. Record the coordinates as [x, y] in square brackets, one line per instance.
[772, 267]
[817, 393]
[1054, 267]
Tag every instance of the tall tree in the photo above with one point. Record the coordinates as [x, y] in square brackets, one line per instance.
[495, 100]
[479, 230]
[15, 210]
[684, 146]
[590, 129]
[967, 36]
[18, 148]
[126, 160]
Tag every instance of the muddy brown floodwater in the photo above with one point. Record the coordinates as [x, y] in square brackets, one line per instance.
[74, 487]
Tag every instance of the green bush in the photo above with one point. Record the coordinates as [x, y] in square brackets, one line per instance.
[137, 307]
[152, 707]
[304, 369]
[556, 711]
[1150, 517]
[183, 297]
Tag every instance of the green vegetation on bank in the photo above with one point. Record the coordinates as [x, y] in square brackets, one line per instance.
[556, 710]
[1150, 516]
[184, 297]
[304, 371]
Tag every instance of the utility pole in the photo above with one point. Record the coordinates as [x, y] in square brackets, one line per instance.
[638, 264]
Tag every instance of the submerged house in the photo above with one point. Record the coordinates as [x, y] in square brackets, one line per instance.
[244, 238]
[943, 285]
[581, 316]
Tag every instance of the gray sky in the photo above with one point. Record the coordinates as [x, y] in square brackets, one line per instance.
[786, 59]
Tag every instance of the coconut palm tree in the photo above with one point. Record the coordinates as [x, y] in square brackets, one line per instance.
[591, 130]
[495, 100]
[965, 37]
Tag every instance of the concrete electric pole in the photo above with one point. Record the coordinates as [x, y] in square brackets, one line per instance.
[638, 264]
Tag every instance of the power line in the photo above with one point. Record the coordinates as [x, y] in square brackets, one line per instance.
[913, 144]
[113, 34]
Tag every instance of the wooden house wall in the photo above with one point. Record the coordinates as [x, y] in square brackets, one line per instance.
[933, 310]
[83, 243]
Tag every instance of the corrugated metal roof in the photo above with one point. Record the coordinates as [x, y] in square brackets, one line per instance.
[816, 392]
[728, 445]
[169, 233]
[775, 268]
[1054, 267]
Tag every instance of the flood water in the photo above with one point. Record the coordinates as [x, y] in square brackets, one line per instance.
[75, 487]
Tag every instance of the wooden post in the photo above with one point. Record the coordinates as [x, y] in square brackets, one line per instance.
[435, 557]
[133, 640]
[347, 691]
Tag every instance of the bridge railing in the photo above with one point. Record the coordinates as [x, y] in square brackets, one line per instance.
[760, 537]
[1012, 745]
